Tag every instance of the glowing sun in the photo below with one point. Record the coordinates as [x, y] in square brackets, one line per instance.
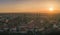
[51, 9]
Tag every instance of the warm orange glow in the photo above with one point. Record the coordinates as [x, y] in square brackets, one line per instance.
[28, 7]
[51, 9]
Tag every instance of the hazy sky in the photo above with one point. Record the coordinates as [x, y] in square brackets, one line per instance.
[28, 5]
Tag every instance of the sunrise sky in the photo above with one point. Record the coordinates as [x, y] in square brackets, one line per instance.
[18, 6]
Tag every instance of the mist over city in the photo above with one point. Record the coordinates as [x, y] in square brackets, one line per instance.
[30, 17]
